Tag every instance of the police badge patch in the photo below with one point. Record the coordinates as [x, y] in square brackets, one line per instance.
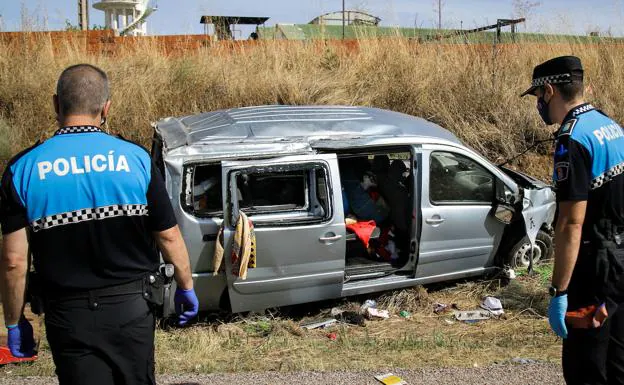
[561, 171]
[568, 127]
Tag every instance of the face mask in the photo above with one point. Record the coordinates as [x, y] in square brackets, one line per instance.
[542, 108]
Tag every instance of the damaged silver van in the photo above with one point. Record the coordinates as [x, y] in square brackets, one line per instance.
[343, 200]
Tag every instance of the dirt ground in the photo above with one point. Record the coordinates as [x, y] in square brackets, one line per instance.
[543, 374]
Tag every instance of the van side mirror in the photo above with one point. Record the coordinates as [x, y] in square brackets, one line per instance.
[504, 213]
[503, 194]
[504, 210]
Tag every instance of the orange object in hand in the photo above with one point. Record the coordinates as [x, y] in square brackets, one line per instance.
[587, 317]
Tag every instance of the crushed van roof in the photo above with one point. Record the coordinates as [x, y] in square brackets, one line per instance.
[306, 124]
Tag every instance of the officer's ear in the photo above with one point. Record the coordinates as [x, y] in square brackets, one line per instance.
[106, 109]
[549, 92]
[55, 101]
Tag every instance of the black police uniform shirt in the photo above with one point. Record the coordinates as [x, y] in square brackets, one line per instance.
[91, 201]
[589, 162]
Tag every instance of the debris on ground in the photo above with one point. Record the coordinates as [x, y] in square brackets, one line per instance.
[523, 361]
[472, 316]
[509, 273]
[372, 313]
[369, 303]
[319, 323]
[404, 314]
[439, 307]
[352, 317]
[336, 311]
[332, 336]
[493, 305]
[7, 358]
[390, 379]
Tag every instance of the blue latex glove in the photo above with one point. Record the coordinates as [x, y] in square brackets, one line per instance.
[556, 315]
[186, 305]
[20, 339]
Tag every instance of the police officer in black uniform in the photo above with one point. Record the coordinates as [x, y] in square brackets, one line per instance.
[93, 208]
[587, 307]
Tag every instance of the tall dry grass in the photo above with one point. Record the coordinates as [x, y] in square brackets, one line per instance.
[470, 89]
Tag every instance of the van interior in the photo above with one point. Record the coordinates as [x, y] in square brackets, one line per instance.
[377, 198]
[377, 194]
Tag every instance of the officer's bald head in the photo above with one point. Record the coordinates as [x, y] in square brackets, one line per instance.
[82, 89]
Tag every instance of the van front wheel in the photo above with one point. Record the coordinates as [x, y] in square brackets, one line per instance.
[520, 254]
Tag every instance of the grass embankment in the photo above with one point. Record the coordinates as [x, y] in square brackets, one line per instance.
[275, 341]
[471, 90]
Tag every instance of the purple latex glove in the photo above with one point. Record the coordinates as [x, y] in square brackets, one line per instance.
[20, 339]
[186, 305]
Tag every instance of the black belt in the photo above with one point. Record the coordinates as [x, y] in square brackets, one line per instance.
[134, 287]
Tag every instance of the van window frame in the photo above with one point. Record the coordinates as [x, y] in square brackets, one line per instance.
[283, 218]
[456, 202]
[186, 195]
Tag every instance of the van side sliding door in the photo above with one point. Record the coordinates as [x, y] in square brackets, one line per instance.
[295, 204]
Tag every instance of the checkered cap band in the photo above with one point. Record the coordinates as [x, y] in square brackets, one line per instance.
[76, 130]
[607, 176]
[551, 79]
[83, 215]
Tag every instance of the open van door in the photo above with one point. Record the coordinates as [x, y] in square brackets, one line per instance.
[295, 204]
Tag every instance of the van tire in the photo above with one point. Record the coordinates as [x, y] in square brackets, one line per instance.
[519, 255]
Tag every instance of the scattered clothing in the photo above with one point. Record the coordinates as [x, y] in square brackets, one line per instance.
[363, 230]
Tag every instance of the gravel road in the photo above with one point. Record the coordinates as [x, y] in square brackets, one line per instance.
[528, 374]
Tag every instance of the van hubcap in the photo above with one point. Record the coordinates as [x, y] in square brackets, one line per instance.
[523, 255]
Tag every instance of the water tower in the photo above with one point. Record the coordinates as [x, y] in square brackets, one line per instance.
[126, 17]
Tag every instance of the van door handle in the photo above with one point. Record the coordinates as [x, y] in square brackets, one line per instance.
[434, 221]
[330, 238]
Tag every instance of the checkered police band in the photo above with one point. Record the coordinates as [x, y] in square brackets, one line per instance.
[83, 215]
[76, 130]
[551, 79]
[607, 176]
[582, 110]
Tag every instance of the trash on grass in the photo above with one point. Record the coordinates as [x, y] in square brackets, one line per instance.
[439, 307]
[332, 336]
[336, 311]
[319, 323]
[376, 313]
[472, 316]
[509, 273]
[367, 304]
[523, 361]
[7, 358]
[353, 318]
[404, 314]
[390, 379]
[493, 305]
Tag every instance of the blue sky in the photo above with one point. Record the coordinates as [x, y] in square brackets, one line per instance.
[182, 16]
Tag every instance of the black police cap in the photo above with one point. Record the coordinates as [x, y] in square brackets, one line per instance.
[561, 69]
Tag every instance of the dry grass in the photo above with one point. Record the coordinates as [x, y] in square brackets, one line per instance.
[275, 341]
[470, 89]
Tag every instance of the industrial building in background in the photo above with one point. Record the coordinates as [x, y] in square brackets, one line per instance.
[126, 17]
